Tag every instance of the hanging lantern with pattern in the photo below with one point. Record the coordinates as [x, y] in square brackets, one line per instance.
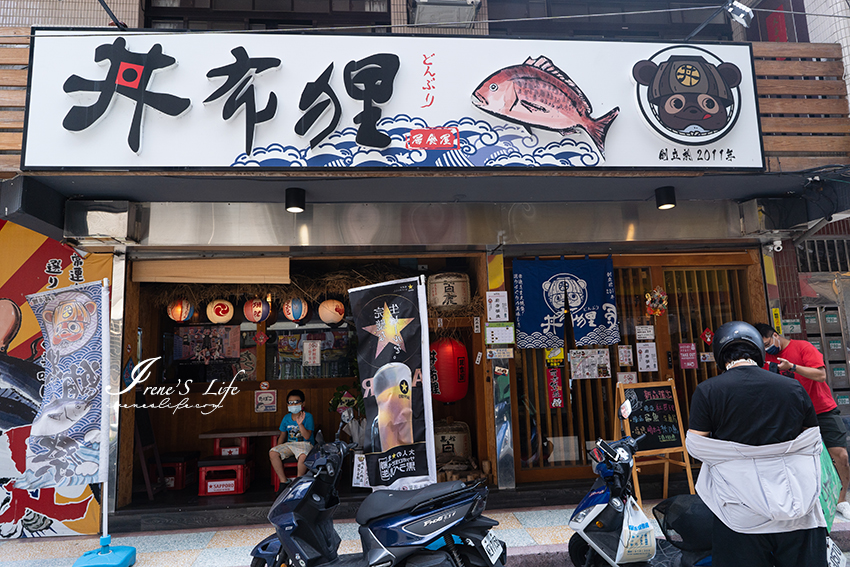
[256, 310]
[219, 311]
[296, 310]
[180, 310]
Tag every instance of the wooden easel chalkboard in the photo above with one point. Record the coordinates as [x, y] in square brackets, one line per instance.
[655, 412]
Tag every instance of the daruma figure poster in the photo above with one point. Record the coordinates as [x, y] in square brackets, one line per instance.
[392, 326]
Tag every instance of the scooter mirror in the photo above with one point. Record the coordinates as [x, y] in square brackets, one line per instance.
[320, 439]
[347, 415]
[626, 409]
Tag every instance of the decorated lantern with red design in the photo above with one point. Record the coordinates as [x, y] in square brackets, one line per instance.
[256, 310]
[219, 311]
[449, 370]
[180, 310]
[331, 311]
[296, 310]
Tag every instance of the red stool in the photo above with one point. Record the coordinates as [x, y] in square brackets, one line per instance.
[290, 469]
[179, 469]
[225, 475]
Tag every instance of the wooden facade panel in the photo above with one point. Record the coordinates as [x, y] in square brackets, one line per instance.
[11, 120]
[13, 98]
[771, 125]
[18, 36]
[836, 106]
[11, 141]
[778, 164]
[13, 77]
[801, 87]
[14, 55]
[799, 68]
[807, 144]
[10, 164]
[801, 50]
[214, 270]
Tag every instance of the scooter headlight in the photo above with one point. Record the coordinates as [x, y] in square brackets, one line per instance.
[579, 518]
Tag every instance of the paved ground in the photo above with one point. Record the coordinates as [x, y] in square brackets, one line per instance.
[535, 537]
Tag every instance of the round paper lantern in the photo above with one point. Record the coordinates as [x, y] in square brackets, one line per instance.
[331, 311]
[180, 310]
[219, 311]
[295, 310]
[256, 310]
[449, 370]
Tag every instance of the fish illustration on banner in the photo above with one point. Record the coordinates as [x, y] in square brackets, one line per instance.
[538, 94]
[394, 361]
[64, 447]
[543, 289]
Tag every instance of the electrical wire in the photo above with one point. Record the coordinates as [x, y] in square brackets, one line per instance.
[160, 32]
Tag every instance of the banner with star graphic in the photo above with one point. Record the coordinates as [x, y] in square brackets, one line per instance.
[392, 332]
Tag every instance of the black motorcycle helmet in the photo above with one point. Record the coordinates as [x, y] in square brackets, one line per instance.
[733, 333]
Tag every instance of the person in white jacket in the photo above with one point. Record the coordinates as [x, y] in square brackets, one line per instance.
[757, 436]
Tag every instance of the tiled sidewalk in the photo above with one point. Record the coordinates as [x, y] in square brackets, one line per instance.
[231, 547]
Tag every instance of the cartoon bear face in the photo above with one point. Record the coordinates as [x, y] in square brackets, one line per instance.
[561, 289]
[690, 95]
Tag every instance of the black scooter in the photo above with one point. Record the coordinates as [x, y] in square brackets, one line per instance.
[437, 526]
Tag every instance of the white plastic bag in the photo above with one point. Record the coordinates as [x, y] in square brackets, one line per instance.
[637, 539]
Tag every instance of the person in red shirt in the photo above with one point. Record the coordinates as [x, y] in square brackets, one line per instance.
[801, 360]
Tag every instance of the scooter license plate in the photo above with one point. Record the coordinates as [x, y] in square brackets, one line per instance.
[834, 556]
[492, 547]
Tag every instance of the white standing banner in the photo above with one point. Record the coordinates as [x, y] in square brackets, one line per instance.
[154, 100]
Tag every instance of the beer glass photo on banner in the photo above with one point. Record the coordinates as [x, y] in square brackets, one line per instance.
[392, 332]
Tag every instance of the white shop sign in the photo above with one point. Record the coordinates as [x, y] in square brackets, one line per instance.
[148, 100]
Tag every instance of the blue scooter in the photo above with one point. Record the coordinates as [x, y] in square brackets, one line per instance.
[437, 526]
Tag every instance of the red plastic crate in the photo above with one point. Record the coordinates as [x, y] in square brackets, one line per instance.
[224, 475]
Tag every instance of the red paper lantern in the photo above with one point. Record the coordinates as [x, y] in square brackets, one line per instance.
[449, 370]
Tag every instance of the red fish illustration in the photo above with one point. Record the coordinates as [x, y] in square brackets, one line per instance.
[539, 94]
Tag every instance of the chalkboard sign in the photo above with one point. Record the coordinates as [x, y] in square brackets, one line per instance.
[655, 412]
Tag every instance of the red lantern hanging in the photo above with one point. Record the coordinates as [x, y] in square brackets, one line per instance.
[449, 370]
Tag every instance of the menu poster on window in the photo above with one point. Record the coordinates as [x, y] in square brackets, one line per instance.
[624, 354]
[556, 391]
[647, 357]
[645, 332]
[265, 401]
[627, 377]
[312, 353]
[590, 363]
[497, 306]
[706, 357]
[687, 356]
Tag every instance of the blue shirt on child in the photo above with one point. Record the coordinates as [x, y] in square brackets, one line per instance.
[293, 432]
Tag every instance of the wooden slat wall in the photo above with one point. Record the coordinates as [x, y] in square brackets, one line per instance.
[14, 58]
[802, 105]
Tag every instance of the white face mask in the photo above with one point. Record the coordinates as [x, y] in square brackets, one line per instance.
[294, 409]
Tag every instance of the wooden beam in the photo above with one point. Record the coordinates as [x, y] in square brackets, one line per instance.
[807, 144]
[799, 68]
[14, 56]
[805, 125]
[213, 270]
[802, 50]
[802, 106]
[13, 77]
[801, 87]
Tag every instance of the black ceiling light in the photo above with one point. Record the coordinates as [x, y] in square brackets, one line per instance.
[295, 200]
[665, 197]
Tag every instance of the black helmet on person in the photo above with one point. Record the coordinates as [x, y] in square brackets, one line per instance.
[737, 332]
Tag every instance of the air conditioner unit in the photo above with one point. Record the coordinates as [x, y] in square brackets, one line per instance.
[444, 13]
[772, 215]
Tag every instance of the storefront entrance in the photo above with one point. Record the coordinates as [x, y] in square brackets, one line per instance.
[704, 290]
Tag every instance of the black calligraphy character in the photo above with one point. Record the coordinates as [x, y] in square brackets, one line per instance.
[240, 77]
[129, 75]
[309, 96]
[371, 80]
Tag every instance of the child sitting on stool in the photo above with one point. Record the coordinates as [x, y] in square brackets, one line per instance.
[296, 437]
